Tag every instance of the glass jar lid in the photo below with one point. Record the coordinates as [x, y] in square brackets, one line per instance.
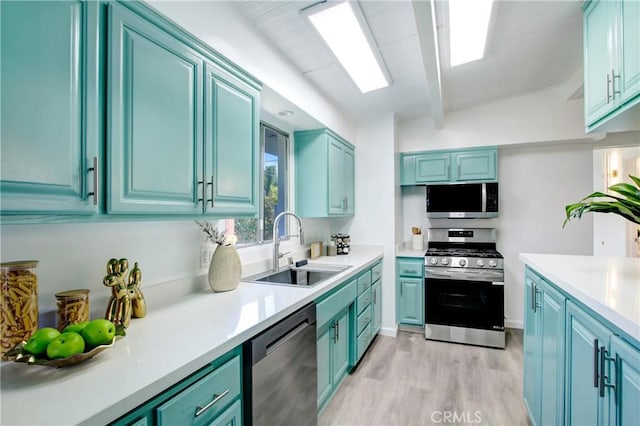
[68, 294]
[19, 264]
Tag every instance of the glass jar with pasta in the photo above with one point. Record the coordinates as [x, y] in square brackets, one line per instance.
[19, 303]
[72, 306]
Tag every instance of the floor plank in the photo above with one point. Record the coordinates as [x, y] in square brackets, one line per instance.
[408, 380]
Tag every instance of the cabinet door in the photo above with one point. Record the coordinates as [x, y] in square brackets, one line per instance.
[231, 144]
[348, 182]
[598, 48]
[629, 50]
[336, 177]
[411, 301]
[583, 403]
[433, 168]
[325, 375]
[627, 381]
[532, 344]
[49, 106]
[155, 95]
[232, 416]
[475, 166]
[376, 290]
[341, 348]
[552, 356]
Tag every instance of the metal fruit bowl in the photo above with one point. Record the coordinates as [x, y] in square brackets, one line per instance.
[20, 355]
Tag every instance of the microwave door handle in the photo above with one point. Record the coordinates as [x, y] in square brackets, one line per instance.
[484, 197]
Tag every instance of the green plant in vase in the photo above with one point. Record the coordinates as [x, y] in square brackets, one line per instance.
[625, 202]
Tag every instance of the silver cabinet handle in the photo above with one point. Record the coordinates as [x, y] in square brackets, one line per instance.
[337, 331]
[374, 297]
[614, 92]
[94, 169]
[608, 93]
[210, 200]
[203, 190]
[216, 398]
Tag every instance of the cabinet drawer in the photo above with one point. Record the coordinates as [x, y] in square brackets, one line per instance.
[363, 301]
[376, 272]
[364, 319]
[181, 409]
[333, 304]
[410, 269]
[364, 339]
[364, 282]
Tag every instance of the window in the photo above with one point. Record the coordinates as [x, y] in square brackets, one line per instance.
[274, 153]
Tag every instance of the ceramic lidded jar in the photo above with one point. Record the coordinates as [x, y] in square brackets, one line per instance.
[225, 269]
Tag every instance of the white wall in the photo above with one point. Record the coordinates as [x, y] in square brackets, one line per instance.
[220, 25]
[375, 221]
[542, 116]
[536, 182]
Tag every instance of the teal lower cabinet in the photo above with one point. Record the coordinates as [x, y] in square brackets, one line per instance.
[578, 368]
[543, 351]
[211, 396]
[333, 356]
[347, 320]
[376, 303]
[603, 373]
[410, 291]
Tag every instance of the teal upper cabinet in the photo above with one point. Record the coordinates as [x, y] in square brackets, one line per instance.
[155, 95]
[477, 165]
[182, 130]
[433, 168]
[324, 170]
[231, 143]
[611, 60]
[50, 107]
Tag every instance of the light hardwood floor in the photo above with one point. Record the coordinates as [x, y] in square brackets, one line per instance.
[412, 381]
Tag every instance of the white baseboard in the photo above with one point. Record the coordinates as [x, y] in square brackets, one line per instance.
[514, 324]
[389, 331]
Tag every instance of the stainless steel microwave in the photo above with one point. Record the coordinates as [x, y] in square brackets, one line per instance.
[462, 200]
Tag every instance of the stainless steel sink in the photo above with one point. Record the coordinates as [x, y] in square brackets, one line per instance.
[307, 275]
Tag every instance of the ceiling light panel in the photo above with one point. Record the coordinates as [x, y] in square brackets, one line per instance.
[341, 30]
[468, 27]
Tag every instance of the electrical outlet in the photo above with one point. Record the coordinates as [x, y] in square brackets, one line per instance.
[205, 256]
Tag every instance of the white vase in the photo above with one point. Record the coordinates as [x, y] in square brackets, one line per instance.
[225, 269]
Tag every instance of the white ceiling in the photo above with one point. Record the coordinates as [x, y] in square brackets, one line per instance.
[532, 45]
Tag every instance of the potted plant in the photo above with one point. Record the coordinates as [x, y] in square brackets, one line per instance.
[225, 268]
[625, 203]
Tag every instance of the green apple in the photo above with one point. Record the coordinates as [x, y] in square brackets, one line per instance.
[99, 332]
[65, 345]
[76, 328]
[37, 344]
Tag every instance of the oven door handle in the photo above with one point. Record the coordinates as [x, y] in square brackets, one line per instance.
[469, 276]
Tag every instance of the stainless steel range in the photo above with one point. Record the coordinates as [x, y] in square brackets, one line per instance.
[464, 287]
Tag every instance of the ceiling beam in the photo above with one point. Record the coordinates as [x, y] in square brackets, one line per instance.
[424, 15]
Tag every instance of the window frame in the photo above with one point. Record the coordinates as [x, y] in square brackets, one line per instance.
[264, 126]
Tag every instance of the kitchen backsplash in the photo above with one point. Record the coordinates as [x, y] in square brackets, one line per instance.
[74, 255]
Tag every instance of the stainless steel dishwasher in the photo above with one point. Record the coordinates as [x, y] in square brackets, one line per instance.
[280, 374]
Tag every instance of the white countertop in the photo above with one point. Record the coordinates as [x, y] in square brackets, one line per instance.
[159, 350]
[608, 285]
[405, 250]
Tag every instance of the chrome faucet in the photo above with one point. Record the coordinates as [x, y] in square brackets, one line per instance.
[276, 240]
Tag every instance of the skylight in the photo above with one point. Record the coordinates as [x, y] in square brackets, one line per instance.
[340, 29]
[468, 27]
